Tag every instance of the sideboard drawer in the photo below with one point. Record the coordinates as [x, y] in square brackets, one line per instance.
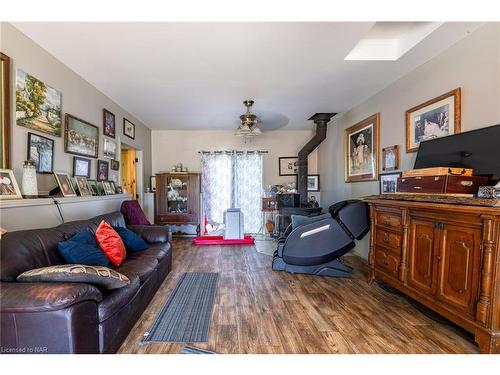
[388, 239]
[388, 220]
[387, 262]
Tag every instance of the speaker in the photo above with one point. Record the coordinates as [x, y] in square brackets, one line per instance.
[288, 200]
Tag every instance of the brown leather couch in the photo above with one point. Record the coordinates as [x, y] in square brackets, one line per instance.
[74, 317]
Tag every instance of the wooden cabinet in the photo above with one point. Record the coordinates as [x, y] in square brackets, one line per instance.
[178, 201]
[445, 256]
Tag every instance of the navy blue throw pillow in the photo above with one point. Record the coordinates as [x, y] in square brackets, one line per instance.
[132, 241]
[83, 248]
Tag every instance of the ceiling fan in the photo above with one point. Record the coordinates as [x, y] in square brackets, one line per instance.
[249, 123]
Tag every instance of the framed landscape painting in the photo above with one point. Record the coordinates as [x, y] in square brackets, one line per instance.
[362, 150]
[41, 151]
[108, 123]
[435, 118]
[81, 137]
[288, 165]
[38, 106]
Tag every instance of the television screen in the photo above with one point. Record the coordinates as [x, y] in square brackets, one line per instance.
[477, 149]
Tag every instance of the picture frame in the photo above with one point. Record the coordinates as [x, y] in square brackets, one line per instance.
[108, 123]
[81, 137]
[8, 185]
[152, 183]
[81, 166]
[109, 149]
[93, 187]
[40, 149]
[435, 118]
[82, 186]
[38, 109]
[390, 158]
[389, 182]
[102, 173]
[64, 181]
[288, 165]
[114, 165]
[100, 186]
[313, 182]
[128, 128]
[5, 119]
[113, 186]
[361, 150]
[108, 189]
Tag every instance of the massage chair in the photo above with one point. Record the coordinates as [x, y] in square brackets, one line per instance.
[315, 248]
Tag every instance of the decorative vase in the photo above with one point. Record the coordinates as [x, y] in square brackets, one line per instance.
[29, 185]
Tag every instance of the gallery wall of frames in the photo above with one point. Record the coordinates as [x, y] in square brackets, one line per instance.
[70, 130]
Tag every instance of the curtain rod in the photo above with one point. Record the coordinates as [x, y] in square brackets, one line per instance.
[233, 152]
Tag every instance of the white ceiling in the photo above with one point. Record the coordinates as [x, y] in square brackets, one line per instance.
[196, 75]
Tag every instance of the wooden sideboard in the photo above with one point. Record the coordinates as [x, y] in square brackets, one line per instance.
[444, 255]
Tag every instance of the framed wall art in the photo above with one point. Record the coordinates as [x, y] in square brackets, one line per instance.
[108, 123]
[93, 187]
[102, 170]
[5, 110]
[313, 182]
[41, 151]
[109, 149]
[38, 106]
[8, 185]
[128, 128]
[81, 137]
[83, 186]
[114, 165]
[435, 118]
[81, 167]
[389, 182]
[288, 165]
[362, 150]
[390, 158]
[64, 182]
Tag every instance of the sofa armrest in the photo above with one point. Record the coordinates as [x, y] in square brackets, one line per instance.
[153, 233]
[17, 297]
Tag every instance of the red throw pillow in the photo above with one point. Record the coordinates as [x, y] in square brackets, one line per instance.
[110, 243]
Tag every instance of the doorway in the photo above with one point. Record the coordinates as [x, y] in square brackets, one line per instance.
[129, 170]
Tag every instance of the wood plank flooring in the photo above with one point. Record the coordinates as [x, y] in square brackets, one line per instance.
[258, 310]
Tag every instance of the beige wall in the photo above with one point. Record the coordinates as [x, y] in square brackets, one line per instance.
[472, 64]
[79, 98]
[176, 146]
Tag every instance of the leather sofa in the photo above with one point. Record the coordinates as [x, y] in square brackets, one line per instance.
[75, 317]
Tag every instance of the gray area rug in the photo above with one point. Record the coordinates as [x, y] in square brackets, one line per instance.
[192, 350]
[186, 315]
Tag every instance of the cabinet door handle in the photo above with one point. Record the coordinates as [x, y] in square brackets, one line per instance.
[438, 257]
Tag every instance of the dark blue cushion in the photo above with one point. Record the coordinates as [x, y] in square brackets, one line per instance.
[299, 220]
[83, 248]
[132, 241]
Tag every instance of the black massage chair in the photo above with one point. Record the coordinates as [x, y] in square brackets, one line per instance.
[315, 248]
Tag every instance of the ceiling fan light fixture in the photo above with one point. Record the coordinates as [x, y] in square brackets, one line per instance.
[249, 123]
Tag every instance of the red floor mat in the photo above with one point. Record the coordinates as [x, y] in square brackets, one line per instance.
[219, 240]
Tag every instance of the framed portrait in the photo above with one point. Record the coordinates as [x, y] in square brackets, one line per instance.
[81, 167]
[152, 183]
[128, 128]
[435, 118]
[8, 185]
[64, 182]
[362, 150]
[313, 182]
[102, 170]
[93, 187]
[108, 123]
[81, 137]
[108, 188]
[109, 149]
[389, 182]
[38, 106]
[390, 158]
[5, 110]
[288, 165]
[114, 165]
[41, 151]
[82, 186]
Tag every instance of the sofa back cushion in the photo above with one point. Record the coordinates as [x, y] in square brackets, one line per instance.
[24, 250]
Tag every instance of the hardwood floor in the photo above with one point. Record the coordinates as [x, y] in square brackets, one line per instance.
[258, 310]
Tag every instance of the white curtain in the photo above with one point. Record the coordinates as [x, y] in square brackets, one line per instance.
[233, 179]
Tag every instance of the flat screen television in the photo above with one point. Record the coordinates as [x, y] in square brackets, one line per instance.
[477, 149]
